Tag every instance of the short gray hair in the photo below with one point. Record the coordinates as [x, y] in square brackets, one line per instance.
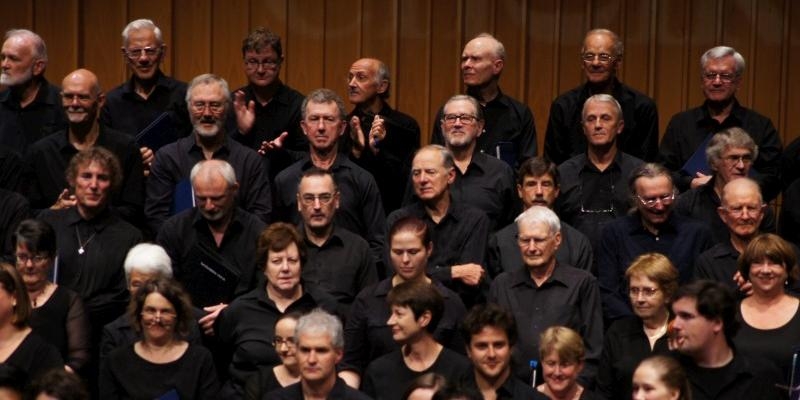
[745, 181]
[468, 98]
[323, 96]
[447, 156]
[320, 321]
[147, 258]
[221, 167]
[141, 24]
[731, 137]
[619, 47]
[39, 47]
[383, 75]
[540, 214]
[602, 98]
[499, 49]
[208, 79]
[715, 53]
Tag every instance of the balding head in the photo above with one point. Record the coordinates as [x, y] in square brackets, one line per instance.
[738, 187]
[742, 208]
[81, 98]
[85, 78]
[24, 58]
[368, 79]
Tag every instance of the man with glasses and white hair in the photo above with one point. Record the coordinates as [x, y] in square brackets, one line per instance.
[601, 56]
[652, 227]
[30, 107]
[683, 146]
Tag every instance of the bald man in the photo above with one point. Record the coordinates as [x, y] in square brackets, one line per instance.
[509, 132]
[81, 99]
[380, 139]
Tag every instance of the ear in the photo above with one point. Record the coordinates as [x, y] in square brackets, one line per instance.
[297, 200]
[716, 325]
[383, 86]
[336, 198]
[303, 127]
[429, 249]
[101, 100]
[557, 238]
[451, 176]
[497, 66]
[38, 67]
[621, 125]
[480, 126]
[520, 193]
[339, 355]
[722, 214]
[425, 319]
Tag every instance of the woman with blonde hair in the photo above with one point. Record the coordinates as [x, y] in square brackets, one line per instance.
[562, 354]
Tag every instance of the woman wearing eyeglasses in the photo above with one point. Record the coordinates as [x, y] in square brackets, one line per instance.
[163, 364]
[288, 371]
[652, 281]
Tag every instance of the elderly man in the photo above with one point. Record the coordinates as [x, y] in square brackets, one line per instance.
[267, 111]
[601, 56]
[81, 98]
[319, 344]
[209, 100]
[652, 227]
[538, 184]
[593, 185]
[547, 293]
[730, 154]
[360, 208]
[29, 108]
[510, 132]
[703, 330]
[685, 140]
[381, 140]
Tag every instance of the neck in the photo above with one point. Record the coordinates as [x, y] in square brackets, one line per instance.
[324, 159]
[397, 279]
[284, 295]
[372, 106]
[293, 370]
[89, 213]
[318, 236]
[650, 227]
[221, 225]
[463, 155]
[569, 393]
[422, 348]
[27, 91]
[144, 86]
[83, 136]
[720, 110]
[657, 321]
[318, 389]
[164, 344]
[437, 208]
[8, 330]
[486, 92]
[487, 384]
[606, 87]
[602, 156]
[716, 355]
[766, 300]
[210, 144]
[264, 94]
[740, 242]
[540, 274]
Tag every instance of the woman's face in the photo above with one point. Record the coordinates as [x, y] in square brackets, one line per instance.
[409, 255]
[560, 376]
[283, 269]
[7, 303]
[767, 276]
[284, 341]
[33, 268]
[647, 385]
[647, 298]
[158, 318]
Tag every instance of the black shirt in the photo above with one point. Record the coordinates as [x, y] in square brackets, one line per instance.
[511, 389]
[120, 333]
[743, 378]
[13, 210]
[340, 391]
[719, 264]
[565, 137]
[21, 127]
[388, 377]
[48, 159]
[174, 162]
[687, 130]
[789, 220]
[507, 122]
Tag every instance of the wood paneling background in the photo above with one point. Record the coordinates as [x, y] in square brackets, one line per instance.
[421, 41]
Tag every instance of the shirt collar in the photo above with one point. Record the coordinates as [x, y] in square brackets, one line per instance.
[161, 81]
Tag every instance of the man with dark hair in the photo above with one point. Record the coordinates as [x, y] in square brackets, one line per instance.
[29, 106]
[538, 184]
[417, 308]
[702, 332]
[381, 139]
[490, 333]
[267, 111]
[601, 56]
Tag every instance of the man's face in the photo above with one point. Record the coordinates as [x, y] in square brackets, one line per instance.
[322, 125]
[719, 79]
[215, 198]
[429, 176]
[490, 352]
[733, 163]
[207, 108]
[479, 63]
[317, 357]
[693, 332]
[362, 81]
[143, 53]
[262, 67]
[317, 201]
[538, 191]
[601, 123]
[18, 63]
[404, 325]
[79, 99]
[741, 210]
[658, 193]
[537, 244]
[460, 134]
[92, 186]
[601, 46]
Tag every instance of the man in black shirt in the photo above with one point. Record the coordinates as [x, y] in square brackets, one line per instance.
[601, 56]
[684, 142]
[509, 130]
[29, 108]
[381, 139]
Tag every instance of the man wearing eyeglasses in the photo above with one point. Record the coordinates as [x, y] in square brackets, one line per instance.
[149, 94]
[509, 131]
[267, 111]
[338, 261]
[730, 154]
[688, 132]
[652, 227]
[601, 56]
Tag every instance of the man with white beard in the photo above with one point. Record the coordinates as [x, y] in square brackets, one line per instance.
[208, 99]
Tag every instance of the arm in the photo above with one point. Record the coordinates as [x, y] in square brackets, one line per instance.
[257, 198]
[159, 190]
[78, 334]
[592, 317]
[610, 275]
[528, 146]
[556, 138]
[208, 384]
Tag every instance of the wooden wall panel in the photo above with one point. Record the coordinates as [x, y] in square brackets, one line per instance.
[192, 35]
[789, 125]
[229, 25]
[57, 24]
[306, 33]
[342, 42]
[509, 28]
[271, 14]
[671, 58]
[378, 36]
[99, 50]
[160, 12]
[702, 34]
[412, 94]
[445, 64]
[766, 73]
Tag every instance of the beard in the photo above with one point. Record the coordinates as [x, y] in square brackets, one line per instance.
[7, 79]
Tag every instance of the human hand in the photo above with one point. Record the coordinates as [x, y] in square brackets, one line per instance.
[471, 274]
[274, 144]
[245, 112]
[376, 133]
[699, 179]
[207, 322]
[64, 200]
[147, 159]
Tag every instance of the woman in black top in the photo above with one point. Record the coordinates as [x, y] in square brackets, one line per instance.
[288, 371]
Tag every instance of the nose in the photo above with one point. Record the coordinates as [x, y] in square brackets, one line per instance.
[352, 81]
[317, 203]
[491, 353]
[539, 190]
[406, 257]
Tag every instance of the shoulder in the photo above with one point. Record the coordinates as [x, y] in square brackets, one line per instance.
[569, 99]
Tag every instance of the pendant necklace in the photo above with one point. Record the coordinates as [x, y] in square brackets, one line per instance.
[81, 243]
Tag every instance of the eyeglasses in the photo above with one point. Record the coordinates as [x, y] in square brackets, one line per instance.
[278, 341]
[326, 119]
[309, 199]
[735, 160]
[214, 106]
[724, 78]
[83, 98]
[254, 64]
[741, 210]
[23, 259]
[645, 291]
[532, 241]
[466, 119]
[604, 58]
[665, 199]
[164, 315]
[149, 52]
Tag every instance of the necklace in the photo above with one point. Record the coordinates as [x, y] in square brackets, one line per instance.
[81, 243]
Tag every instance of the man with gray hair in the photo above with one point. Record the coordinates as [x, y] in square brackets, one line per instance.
[547, 293]
[684, 143]
[30, 107]
[209, 100]
[319, 344]
[601, 55]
